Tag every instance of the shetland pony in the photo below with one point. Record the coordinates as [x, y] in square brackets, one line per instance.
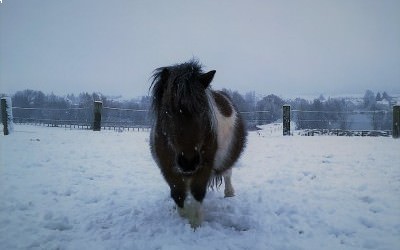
[196, 137]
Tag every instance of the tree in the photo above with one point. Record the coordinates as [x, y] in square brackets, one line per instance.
[378, 97]
[28, 99]
[386, 96]
[369, 100]
[338, 113]
[273, 104]
[319, 118]
[301, 116]
[250, 99]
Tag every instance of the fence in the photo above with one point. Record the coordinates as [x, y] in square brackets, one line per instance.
[83, 118]
[97, 117]
[359, 123]
[72, 117]
[108, 118]
[352, 120]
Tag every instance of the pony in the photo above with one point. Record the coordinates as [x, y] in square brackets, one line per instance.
[196, 137]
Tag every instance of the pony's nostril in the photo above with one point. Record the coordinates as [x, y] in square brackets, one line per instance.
[188, 164]
[196, 160]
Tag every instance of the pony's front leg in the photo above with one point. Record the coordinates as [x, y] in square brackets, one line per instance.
[178, 189]
[198, 189]
[178, 194]
[193, 212]
[187, 208]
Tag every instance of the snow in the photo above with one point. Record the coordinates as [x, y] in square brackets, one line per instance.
[76, 189]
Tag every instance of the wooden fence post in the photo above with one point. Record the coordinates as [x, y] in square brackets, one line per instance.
[6, 118]
[286, 119]
[98, 107]
[396, 121]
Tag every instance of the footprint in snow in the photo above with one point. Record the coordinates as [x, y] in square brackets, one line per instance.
[60, 223]
[367, 199]
[375, 209]
[366, 222]
[224, 212]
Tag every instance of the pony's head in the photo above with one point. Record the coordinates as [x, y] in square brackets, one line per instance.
[183, 113]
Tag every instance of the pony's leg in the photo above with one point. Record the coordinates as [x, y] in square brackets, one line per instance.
[229, 191]
[179, 196]
[193, 211]
[198, 188]
[178, 188]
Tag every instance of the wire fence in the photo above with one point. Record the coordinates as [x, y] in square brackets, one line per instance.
[345, 120]
[345, 123]
[125, 118]
[82, 117]
[54, 117]
[112, 118]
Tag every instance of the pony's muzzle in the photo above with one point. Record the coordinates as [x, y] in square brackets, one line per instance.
[188, 163]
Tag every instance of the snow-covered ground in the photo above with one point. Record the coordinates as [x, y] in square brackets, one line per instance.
[75, 189]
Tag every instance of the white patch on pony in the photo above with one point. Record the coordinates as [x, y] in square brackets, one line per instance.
[212, 106]
[223, 126]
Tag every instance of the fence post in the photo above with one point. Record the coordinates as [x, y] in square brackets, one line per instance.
[396, 121]
[286, 119]
[98, 107]
[7, 117]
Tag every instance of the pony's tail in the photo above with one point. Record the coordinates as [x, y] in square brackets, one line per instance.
[215, 181]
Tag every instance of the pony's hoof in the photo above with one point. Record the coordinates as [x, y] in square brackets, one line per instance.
[229, 193]
[195, 223]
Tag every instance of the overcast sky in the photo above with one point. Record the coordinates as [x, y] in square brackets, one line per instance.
[287, 48]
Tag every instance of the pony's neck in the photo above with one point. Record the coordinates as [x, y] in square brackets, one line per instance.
[211, 110]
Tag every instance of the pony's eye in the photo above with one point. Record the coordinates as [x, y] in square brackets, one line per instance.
[167, 113]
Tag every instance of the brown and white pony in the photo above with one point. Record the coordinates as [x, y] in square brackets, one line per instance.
[197, 135]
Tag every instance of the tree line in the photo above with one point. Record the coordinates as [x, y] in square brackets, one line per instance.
[320, 113]
[371, 112]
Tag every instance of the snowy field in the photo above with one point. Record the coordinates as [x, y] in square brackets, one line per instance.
[75, 189]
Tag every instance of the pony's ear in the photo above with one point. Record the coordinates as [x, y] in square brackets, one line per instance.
[206, 78]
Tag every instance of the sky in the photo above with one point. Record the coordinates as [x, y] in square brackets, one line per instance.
[288, 48]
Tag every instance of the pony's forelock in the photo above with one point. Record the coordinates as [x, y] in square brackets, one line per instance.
[178, 79]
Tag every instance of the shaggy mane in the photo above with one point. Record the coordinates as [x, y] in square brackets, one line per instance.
[180, 84]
